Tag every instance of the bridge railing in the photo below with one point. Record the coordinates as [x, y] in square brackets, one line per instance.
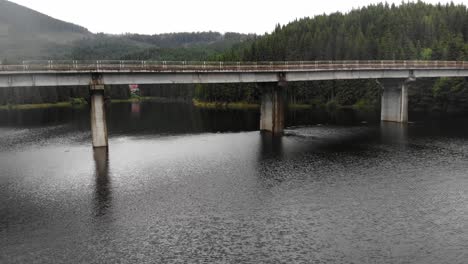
[200, 66]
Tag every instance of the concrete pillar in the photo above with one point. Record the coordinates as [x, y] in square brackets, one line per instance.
[98, 117]
[394, 100]
[272, 109]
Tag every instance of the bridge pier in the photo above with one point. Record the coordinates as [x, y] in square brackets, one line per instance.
[394, 100]
[98, 117]
[272, 109]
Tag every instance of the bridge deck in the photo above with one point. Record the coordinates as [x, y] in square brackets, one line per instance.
[205, 66]
[72, 73]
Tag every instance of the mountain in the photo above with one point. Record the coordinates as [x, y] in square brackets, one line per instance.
[173, 46]
[27, 33]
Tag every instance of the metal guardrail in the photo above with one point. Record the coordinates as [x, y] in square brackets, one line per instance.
[211, 66]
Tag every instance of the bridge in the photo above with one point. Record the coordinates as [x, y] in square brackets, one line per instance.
[272, 76]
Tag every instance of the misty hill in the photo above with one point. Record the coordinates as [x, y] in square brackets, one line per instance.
[172, 46]
[26, 32]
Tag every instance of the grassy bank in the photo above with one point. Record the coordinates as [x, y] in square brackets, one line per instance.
[80, 102]
[73, 102]
[36, 106]
[225, 105]
[134, 100]
[296, 106]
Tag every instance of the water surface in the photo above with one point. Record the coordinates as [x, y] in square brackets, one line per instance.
[184, 185]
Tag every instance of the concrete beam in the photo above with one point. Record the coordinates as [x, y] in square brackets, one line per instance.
[394, 100]
[23, 79]
[272, 109]
[98, 117]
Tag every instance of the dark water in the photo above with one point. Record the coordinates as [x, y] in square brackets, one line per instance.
[181, 185]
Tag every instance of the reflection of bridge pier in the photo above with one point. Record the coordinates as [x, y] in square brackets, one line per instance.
[102, 192]
[394, 133]
[271, 145]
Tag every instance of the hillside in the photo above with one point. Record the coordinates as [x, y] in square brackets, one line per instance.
[25, 32]
[174, 46]
[376, 32]
[382, 31]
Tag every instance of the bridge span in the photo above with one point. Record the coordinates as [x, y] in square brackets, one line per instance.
[272, 76]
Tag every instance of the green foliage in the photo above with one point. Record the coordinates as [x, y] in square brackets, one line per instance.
[377, 32]
[409, 31]
[169, 47]
[450, 94]
[332, 105]
[134, 96]
[78, 101]
[426, 54]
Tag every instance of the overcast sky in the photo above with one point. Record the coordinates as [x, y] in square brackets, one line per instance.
[161, 16]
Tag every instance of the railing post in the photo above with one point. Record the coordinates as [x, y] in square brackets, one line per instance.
[316, 65]
[220, 65]
[238, 66]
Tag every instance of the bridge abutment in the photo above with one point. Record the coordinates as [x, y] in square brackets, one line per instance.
[98, 117]
[272, 109]
[394, 106]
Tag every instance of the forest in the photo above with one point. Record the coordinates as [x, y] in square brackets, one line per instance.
[409, 31]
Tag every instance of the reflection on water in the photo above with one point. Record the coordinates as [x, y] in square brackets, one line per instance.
[103, 197]
[136, 109]
[271, 146]
[394, 133]
[189, 185]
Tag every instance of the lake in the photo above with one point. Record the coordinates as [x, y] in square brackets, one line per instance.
[187, 185]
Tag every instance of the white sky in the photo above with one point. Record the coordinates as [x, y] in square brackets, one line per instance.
[162, 16]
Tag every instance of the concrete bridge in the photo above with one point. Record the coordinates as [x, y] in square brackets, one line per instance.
[272, 76]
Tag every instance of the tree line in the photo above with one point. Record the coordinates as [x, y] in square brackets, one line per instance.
[377, 32]
[409, 31]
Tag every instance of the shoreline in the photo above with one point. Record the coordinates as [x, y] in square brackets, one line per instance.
[80, 103]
